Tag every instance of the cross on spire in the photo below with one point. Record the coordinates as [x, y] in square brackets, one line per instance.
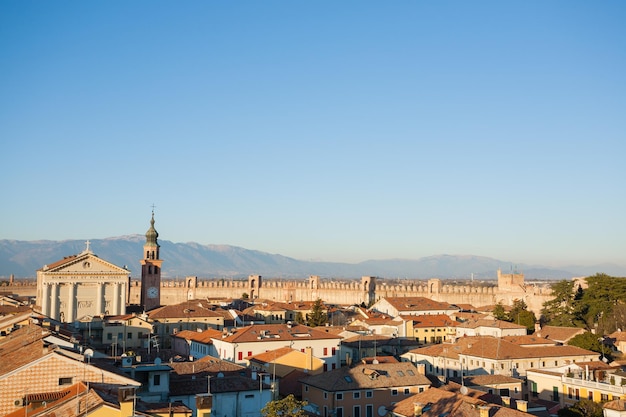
[153, 206]
[87, 243]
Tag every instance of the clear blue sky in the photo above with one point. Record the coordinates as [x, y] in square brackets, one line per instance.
[324, 130]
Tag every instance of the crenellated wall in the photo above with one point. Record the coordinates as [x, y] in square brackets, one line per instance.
[347, 292]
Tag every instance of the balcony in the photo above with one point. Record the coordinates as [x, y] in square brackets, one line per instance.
[600, 386]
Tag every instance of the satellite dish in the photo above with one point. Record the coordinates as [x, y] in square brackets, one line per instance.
[88, 352]
[464, 390]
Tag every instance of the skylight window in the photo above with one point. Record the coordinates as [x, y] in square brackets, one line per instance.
[347, 378]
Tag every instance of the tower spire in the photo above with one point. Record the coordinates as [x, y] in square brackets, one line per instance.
[151, 269]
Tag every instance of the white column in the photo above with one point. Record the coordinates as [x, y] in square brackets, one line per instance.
[45, 300]
[116, 299]
[54, 301]
[71, 303]
[99, 298]
[122, 299]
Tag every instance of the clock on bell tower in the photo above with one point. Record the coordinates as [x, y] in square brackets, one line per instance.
[151, 270]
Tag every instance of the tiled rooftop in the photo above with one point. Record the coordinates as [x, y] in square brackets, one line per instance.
[368, 376]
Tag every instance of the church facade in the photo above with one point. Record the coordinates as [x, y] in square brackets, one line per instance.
[86, 285]
[81, 285]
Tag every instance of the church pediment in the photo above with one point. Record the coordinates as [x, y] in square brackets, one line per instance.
[84, 264]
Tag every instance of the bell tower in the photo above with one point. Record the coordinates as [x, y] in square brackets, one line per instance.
[151, 270]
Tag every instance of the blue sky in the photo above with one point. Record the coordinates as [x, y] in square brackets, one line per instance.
[338, 131]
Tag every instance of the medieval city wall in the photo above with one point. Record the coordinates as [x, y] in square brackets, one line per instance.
[332, 292]
[349, 292]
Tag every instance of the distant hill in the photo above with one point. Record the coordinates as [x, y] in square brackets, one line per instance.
[24, 258]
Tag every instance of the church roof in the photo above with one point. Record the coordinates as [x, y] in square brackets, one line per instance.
[88, 259]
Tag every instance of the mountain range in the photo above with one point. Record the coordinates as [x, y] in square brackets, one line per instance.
[24, 258]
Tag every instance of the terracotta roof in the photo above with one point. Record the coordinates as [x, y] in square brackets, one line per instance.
[208, 364]
[21, 347]
[498, 324]
[594, 365]
[418, 304]
[10, 309]
[440, 402]
[188, 309]
[435, 402]
[60, 262]
[367, 340]
[379, 321]
[272, 355]
[487, 380]
[205, 336]
[496, 348]
[558, 333]
[528, 340]
[431, 320]
[618, 336]
[617, 405]
[366, 376]
[191, 377]
[61, 403]
[268, 332]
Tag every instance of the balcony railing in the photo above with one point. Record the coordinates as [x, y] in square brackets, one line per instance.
[602, 386]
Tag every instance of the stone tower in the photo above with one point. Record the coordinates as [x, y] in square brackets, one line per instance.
[151, 270]
[254, 286]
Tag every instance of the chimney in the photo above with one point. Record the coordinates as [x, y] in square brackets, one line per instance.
[484, 410]
[418, 408]
[204, 403]
[421, 369]
[126, 398]
[538, 328]
[506, 401]
[309, 358]
[522, 405]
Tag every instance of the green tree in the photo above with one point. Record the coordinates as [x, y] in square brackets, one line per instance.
[589, 341]
[299, 318]
[287, 407]
[499, 312]
[244, 296]
[583, 408]
[598, 302]
[318, 316]
[559, 311]
[519, 314]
